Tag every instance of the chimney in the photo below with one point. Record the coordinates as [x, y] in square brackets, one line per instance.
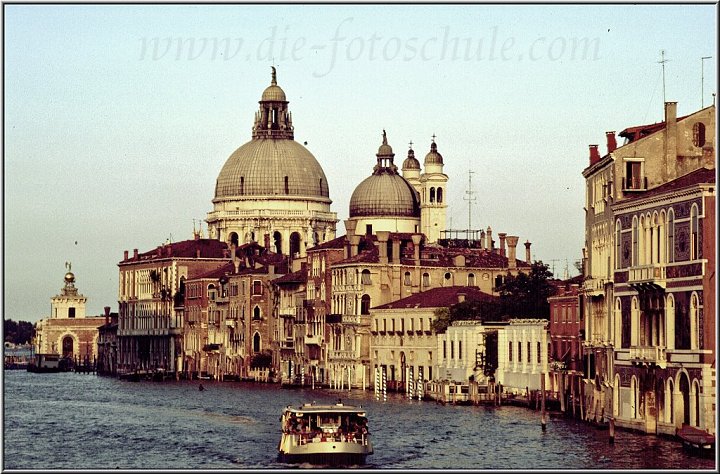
[196, 235]
[527, 251]
[461, 297]
[671, 142]
[396, 251]
[416, 238]
[271, 269]
[135, 254]
[350, 225]
[611, 142]
[354, 244]
[382, 239]
[266, 240]
[125, 255]
[502, 235]
[488, 238]
[197, 253]
[107, 314]
[512, 241]
[459, 260]
[594, 154]
[482, 239]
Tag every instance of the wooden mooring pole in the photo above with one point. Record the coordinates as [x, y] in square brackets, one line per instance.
[543, 421]
[611, 430]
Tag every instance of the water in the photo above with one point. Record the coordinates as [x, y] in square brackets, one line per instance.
[76, 421]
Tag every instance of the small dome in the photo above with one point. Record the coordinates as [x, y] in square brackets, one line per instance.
[273, 93]
[385, 195]
[433, 157]
[411, 163]
[385, 149]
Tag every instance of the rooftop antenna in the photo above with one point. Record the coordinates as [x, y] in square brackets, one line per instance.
[663, 61]
[470, 198]
[702, 81]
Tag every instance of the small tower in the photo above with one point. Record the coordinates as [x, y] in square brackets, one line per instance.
[411, 169]
[69, 303]
[433, 194]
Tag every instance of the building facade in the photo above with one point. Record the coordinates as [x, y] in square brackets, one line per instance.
[565, 352]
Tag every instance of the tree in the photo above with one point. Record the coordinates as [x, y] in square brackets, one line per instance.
[525, 295]
[21, 332]
[442, 320]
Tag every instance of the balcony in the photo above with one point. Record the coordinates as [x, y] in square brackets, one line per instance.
[312, 339]
[287, 312]
[341, 355]
[648, 355]
[595, 286]
[647, 277]
[287, 343]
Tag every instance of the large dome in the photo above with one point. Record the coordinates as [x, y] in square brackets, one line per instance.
[384, 195]
[271, 167]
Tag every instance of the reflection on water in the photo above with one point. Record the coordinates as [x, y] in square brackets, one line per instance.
[75, 421]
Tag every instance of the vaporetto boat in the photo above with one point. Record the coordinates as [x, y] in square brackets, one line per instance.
[324, 434]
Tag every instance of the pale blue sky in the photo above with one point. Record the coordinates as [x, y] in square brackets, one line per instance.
[114, 135]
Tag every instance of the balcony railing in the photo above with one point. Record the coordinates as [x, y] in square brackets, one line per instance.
[342, 355]
[312, 339]
[648, 355]
[653, 274]
[595, 286]
[287, 312]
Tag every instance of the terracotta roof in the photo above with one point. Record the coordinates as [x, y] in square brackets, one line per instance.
[299, 276]
[209, 248]
[641, 131]
[336, 243]
[439, 298]
[699, 176]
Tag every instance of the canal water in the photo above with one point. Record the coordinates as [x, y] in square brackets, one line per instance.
[76, 421]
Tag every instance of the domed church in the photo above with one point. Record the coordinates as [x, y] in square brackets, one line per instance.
[411, 203]
[272, 190]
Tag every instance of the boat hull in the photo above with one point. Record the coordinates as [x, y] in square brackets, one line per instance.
[324, 452]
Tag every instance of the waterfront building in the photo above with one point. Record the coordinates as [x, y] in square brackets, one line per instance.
[406, 347]
[68, 332]
[272, 188]
[291, 326]
[565, 328]
[651, 156]
[108, 345]
[523, 355]
[151, 298]
[664, 306]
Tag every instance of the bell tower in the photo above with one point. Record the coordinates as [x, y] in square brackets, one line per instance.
[433, 195]
[69, 303]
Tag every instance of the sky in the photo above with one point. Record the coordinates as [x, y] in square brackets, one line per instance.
[118, 118]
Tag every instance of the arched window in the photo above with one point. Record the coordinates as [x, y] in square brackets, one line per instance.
[654, 234]
[699, 134]
[408, 279]
[618, 322]
[634, 259]
[670, 250]
[294, 243]
[277, 239]
[694, 240]
[242, 185]
[641, 243]
[670, 322]
[365, 277]
[439, 195]
[256, 342]
[634, 323]
[696, 403]
[67, 346]
[287, 185]
[256, 313]
[633, 397]
[432, 194]
[234, 239]
[425, 280]
[618, 242]
[669, 401]
[471, 279]
[365, 304]
[694, 322]
[684, 387]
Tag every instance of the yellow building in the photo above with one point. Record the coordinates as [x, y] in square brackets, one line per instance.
[68, 332]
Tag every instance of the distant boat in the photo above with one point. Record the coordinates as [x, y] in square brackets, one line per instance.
[49, 363]
[324, 435]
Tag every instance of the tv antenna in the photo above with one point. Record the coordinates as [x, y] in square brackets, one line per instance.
[662, 62]
[470, 198]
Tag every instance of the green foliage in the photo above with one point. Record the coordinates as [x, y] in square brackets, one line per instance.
[525, 295]
[442, 320]
[18, 332]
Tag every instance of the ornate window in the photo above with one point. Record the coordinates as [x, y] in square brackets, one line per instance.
[439, 195]
[634, 260]
[408, 279]
[670, 252]
[618, 243]
[471, 279]
[694, 240]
